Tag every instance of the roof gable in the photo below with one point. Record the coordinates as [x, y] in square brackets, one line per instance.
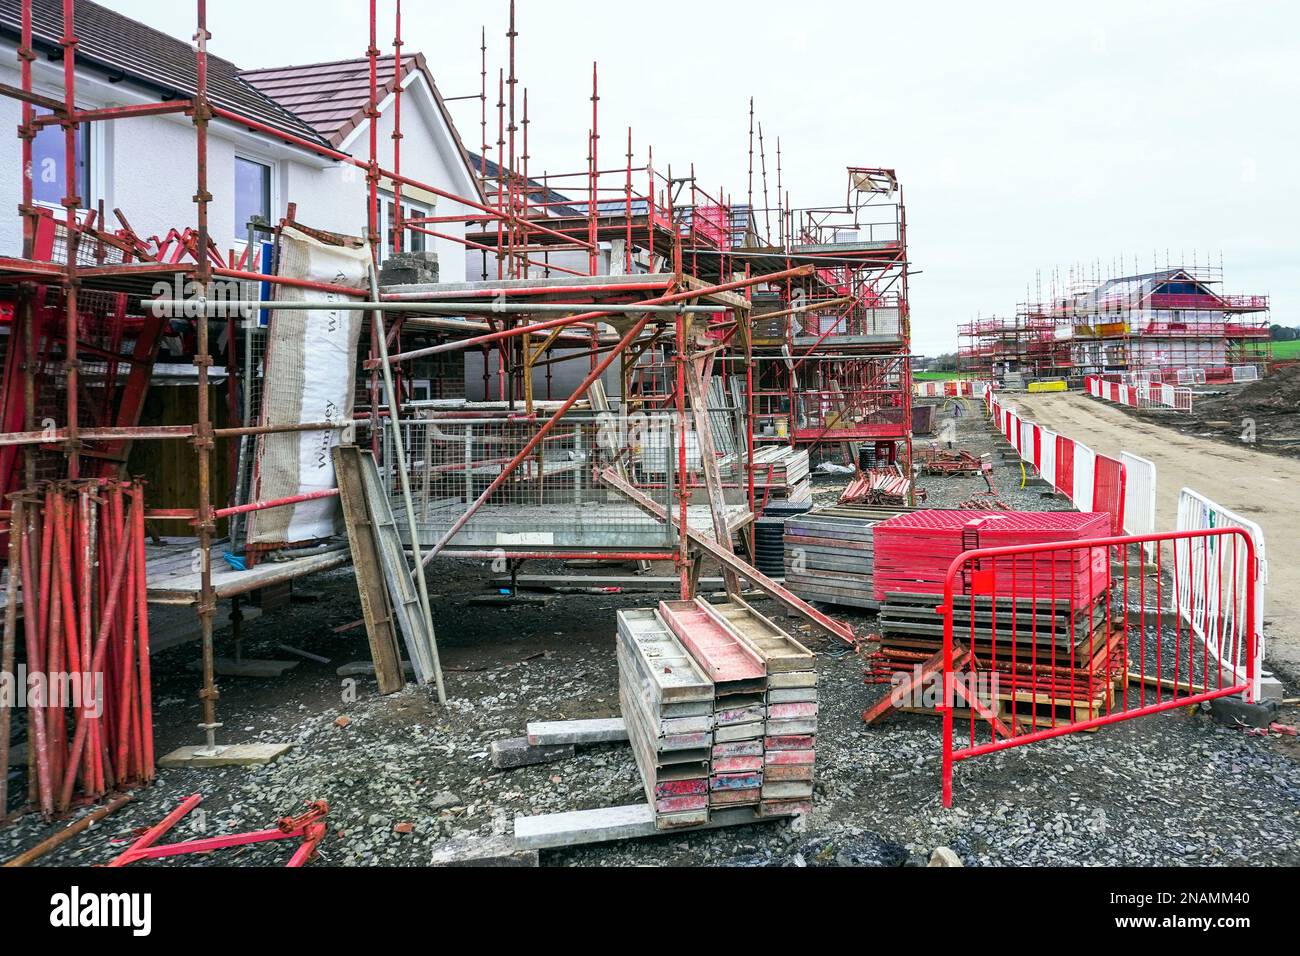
[334, 97]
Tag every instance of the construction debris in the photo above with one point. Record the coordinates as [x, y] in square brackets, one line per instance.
[936, 461]
[307, 827]
[781, 474]
[518, 752]
[879, 486]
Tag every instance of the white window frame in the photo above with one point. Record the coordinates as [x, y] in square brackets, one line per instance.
[415, 207]
[253, 156]
[96, 153]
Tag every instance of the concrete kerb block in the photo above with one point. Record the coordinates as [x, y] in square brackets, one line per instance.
[1235, 712]
[518, 752]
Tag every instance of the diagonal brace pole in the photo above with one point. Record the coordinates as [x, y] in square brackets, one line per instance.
[827, 625]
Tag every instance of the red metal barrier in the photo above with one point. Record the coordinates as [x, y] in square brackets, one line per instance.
[1048, 663]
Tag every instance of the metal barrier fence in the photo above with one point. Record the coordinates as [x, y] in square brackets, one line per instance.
[1049, 639]
[553, 502]
[1200, 586]
[1139, 497]
[1153, 395]
[1245, 373]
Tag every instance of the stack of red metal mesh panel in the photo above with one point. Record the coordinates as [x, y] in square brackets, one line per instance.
[913, 552]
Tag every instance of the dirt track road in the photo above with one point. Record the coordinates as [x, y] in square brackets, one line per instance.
[1256, 485]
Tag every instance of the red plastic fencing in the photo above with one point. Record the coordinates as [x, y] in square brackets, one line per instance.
[1025, 660]
[1109, 477]
[912, 551]
[1064, 482]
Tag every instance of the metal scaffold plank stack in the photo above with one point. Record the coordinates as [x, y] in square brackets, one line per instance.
[667, 704]
[740, 701]
[781, 473]
[788, 758]
[829, 554]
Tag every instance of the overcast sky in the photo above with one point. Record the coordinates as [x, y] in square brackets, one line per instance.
[1029, 137]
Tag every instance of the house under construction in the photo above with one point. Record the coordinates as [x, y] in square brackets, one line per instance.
[633, 344]
[1175, 325]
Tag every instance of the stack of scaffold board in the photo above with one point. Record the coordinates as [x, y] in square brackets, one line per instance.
[667, 703]
[720, 707]
[739, 678]
[781, 473]
[790, 734]
[829, 554]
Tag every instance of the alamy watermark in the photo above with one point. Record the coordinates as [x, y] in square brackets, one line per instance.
[81, 690]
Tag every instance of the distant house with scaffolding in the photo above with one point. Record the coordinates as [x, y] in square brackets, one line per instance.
[1171, 325]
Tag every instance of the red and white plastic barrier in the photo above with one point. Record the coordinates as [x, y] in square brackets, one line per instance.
[1139, 496]
[1091, 481]
[1211, 588]
[950, 388]
[1125, 489]
[1153, 395]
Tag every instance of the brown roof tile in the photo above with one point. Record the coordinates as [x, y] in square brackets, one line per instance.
[127, 48]
[331, 97]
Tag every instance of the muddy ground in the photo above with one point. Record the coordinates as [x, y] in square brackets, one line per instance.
[1172, 789]
[1259, 416]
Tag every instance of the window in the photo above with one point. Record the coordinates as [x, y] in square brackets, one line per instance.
[49, 159]
[412, 241]
[252, 194]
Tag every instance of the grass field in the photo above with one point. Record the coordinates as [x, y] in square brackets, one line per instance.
[944, 376]
[1286, 350]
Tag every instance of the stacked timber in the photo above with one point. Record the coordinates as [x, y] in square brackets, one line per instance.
[667, 703]
[789, 741]
[829, 554]
[740, 711]
[781, 473]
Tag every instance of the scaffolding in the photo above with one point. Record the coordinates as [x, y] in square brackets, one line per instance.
[1169, 325]
[649, 277]
[834, 348]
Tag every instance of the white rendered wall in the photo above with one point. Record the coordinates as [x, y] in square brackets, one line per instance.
[147, 166]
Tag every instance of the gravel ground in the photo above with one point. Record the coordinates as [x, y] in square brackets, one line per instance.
[1172, 789]
[969, 432]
